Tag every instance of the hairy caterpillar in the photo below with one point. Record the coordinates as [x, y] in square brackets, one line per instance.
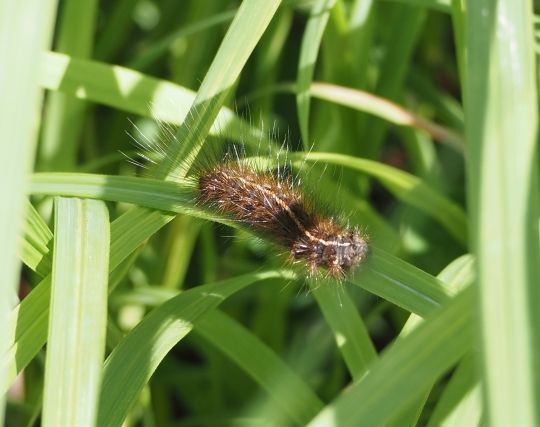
[273, 206]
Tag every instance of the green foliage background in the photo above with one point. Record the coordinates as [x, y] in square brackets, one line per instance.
[415, 119]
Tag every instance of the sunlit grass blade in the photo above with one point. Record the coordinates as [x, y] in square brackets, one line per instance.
[27, 323]
[35, 249]
[428, 352]
[292, 395]
[119, 87]
[134, 360]
[26, 29]
[133, 92]
[400, 283]
[76, 341]
[167, 196]
[386, 109]
[501, 103]
[252, 18]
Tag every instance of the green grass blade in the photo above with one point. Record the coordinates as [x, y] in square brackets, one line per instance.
[65, 114]
[456, 276]
[134, 360]
[406, 23]
[159, 48]
[76, 342]
[27, 327]
[411, 412]
[292, 395]
[385, 109]
[501, 112]
[311, 43]
[25, 31]
[252, 18]
[140, 191]
[414, 362]
[167, 196]
[35, 250]
[349, 330]
[382, 274]
[27, 323]
[131, 230]
[134, 92]
[156, 194]
[250, 354]
[115, 34]
[360, 34]
[400, 283]
[461, 401]
[404, 186]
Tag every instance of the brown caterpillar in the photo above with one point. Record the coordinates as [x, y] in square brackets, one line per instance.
[272, 205]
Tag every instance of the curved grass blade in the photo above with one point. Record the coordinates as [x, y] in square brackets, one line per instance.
[385, 109]
[250, 354]
[252, 18]
[406, 369]
[134, 92]
[404, 186]
[400, 283]
[134, 360]
[292, 395]
[76, 341]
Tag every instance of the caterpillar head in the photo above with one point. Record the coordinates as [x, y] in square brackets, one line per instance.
[336, 251]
